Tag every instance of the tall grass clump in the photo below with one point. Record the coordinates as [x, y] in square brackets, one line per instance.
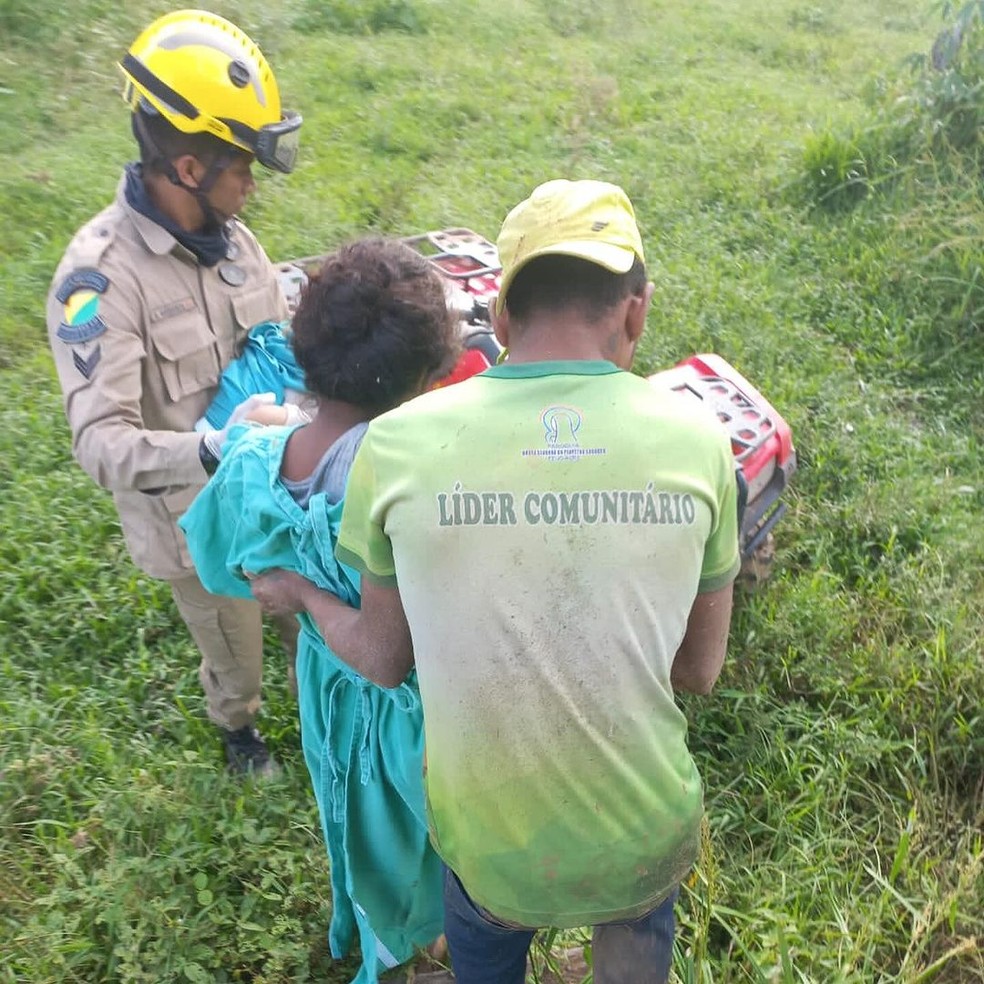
[931, 117]
[916, 245]
[943, 114]
[835, 170]
[946, 103]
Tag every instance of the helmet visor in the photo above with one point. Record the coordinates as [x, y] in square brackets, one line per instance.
[277, 143]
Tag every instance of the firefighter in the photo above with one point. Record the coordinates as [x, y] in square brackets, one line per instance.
[153, 298]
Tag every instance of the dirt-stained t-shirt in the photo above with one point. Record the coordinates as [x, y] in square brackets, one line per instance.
[549, 526]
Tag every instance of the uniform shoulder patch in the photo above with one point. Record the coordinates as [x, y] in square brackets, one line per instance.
[87, 278]
[79, 292]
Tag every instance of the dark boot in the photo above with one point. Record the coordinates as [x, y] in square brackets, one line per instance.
[247, 753]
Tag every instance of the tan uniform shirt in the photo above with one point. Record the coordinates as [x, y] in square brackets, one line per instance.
[140, 333]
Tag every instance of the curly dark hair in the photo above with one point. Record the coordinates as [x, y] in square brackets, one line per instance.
[373, 325]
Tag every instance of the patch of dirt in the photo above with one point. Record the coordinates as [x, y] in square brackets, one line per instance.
[571, 965]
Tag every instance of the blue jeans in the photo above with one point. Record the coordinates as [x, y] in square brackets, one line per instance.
[486, 951]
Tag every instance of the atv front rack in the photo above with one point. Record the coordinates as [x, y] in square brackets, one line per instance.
[761, 441]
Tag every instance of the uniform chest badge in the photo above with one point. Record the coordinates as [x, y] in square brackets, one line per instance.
[233, 274]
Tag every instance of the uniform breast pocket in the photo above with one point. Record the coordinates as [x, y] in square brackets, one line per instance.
[186, 356]
[253, 308]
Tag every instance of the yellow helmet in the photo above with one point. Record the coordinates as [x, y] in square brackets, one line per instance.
[204, 75]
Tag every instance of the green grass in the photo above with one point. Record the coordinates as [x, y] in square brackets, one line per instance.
[843, 751]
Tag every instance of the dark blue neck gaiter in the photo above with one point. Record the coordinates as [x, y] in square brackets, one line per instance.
[209, 245]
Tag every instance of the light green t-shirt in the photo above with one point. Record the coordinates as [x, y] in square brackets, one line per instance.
[549, 525]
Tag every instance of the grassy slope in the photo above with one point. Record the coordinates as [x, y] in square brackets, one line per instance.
[843, 750]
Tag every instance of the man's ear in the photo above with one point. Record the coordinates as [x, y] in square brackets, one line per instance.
[501, 322]
[635, 314]
[188, 168]
[635, 324]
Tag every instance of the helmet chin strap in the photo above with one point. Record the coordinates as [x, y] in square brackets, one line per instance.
[200, 191]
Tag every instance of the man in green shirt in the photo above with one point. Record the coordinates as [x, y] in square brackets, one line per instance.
[553, 544]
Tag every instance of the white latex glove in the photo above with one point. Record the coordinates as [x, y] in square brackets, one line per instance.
[213, 440]
[250, 403]
[295, 415]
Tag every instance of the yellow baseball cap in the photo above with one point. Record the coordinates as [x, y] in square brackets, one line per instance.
[592, 220]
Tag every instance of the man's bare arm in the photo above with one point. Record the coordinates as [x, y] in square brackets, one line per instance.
[374, 640]
[700, 657]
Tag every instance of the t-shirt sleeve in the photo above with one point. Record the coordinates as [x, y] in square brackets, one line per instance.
[721, 556]
[362, 541]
